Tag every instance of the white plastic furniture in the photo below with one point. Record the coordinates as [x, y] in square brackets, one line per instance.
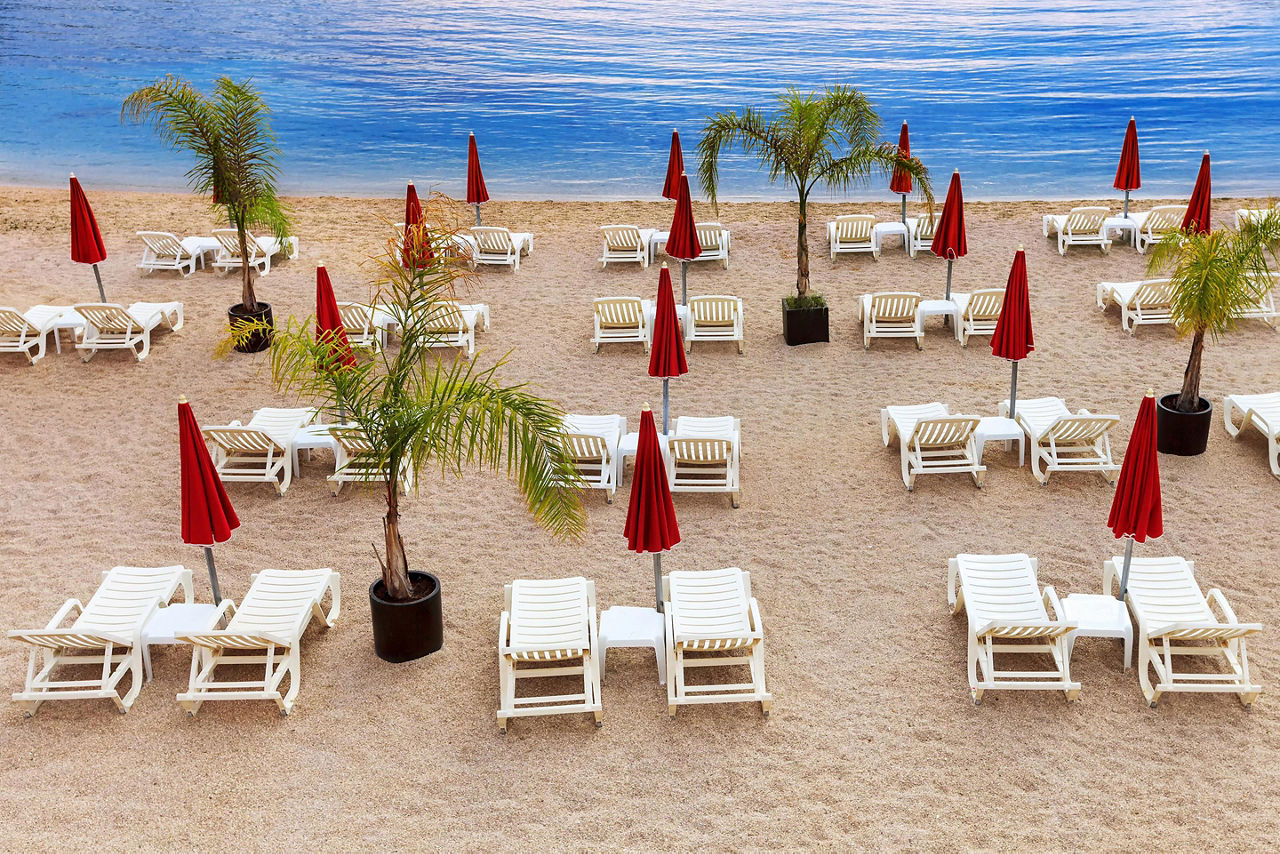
[704, 455]
[713, 318]
[920, 231]
[1123, 226]
[1260, 411]
[1098, 616]
[1080, 227]
[358, 324]
[1151, 226]
[628, 446]
[261, 250]
[164, 251]
[461, 248]
[713, 240]
[262, 450]
[1141, 303]
[626, 626]
[449, 324]
[852, 233]
[1062, 440]
[892, 315]
[1244, 215]
[625, 244]
[946, 308]
[501, 246]
[354, 461]
[993, 428]
[167, 623]
[592, 442]
[977, 313]
[621, 320]
[109, 326]
[27, 333]
[932, 441]
[890, 229]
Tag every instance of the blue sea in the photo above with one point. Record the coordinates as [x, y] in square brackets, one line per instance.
[578, 99]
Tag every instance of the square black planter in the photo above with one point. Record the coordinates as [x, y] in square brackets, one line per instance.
[804, 325]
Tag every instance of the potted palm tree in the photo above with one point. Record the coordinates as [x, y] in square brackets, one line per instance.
[829, 137]
[418, 411]
[1214, 278]
[236, 163]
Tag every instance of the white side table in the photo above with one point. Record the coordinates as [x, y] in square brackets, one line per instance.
[1099, 617]
[627, 626]
[627, 447]
[993, 428]
[170, 621]
[888, 229]
[311, 438]
[1123, 225]
[932, 307]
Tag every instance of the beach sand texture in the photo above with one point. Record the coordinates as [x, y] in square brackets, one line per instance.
[873, 741]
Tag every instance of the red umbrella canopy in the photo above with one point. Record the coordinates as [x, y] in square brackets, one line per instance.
[666, 359]
[1197, 216]
[948, 240]
[901, 181]
[1012, 338]
[207, 514]
[675, 168]
[1135, 510]
[86, 241]
[413, 222]
[682, 240]
[1128, 175]
[651, 515]
[476, 192]
[329, 322]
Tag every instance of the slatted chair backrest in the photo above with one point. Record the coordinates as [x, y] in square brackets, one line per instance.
[985, 304]
[107, 317]
[611, 427]
[713, 310]
[1163, 590]
[855, 228]
[1086, 220]
[445, 316]
[493, 240]
[951, 431]
[715, 427]
[1080, 429]
[701, 452]
[711, 610]
[926, 224]
[894, 307]
[163, 245]
[126, 597]
[243, 441]
[549, 619]
[585, 448]
[280, 423]
[619, 313]
[1164, 218]
[1001, 588]
[356, 317]
[230, 241]
[14, 326]
[279, 605]
[622, 238]
[1153, 294]
[710, 235]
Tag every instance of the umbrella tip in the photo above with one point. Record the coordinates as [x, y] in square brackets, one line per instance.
[645, 408]
[319, 265]
[1206, 152]
[664, 265]
[1151, 392]
[73, 174]
[1020, 247]
[957, 172]
[182, 398]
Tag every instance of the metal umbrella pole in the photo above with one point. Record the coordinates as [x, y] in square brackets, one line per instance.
[666, 405]
[684, 285]
[946, 318]
[904, 208]
[477, 214]
[1126, 204]
[213, 575]
[1013, 393]
[657, 580]
[1124, 574]
[101, 295]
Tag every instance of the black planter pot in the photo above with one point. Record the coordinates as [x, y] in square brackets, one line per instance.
[804, 325]
[240, 316]
[1184, 434]
[403, 631]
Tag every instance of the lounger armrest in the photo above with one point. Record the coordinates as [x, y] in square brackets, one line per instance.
[1215, 595]
[504, 631]
[1203, 630]
[226, 609]
[1050, 598]
[955, 600]
[64, 612]
[1045, 628]
[757, 626]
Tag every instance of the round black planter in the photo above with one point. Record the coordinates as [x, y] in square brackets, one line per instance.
[403, 631]
[805, 325]
[1184, 434]
[240, 316]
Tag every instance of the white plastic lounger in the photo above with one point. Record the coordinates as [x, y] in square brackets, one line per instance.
[1141, 303]
[1249, 215]
[621, 320]
[548, 629]
[260, 451]
[625, 244]
[920, 231]
[1261, 411]
[979, 313]
[1265, 308]
[460, 248]
[713, 239]
[261, 250]
[27, 333]
[852, 233]
[106, 634]
[932, 441]
[354, 461]
[109, 326]
[164, 251]
[1008, 616]
[1175, 619]
[1079, 227]
[501, 246]
[705, 455]
[714, 318]
[891, 315]
[452, 325]
[1151, 226]
[265, 630]
[1062, 440]
[357, 323]
[709, 614]
[592, 442]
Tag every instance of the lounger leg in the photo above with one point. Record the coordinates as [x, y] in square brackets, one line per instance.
[139, 355]
[282, 485]
[135, 669]
[975, 693]
[292, 666]
[673, 667]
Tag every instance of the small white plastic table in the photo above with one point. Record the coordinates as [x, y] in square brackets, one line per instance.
[311, 438]
[932, 307]
[171, 621]
[627, 447]
[994, 428]
[1124, 226]
[627, 626]
[1099, 617]
[888, 229]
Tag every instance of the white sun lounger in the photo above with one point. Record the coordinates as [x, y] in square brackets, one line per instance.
[461, 248]
[1145, 302]
[501, 246]
[705, 455]
[979, 313]
[265, 630]
[548, 629]
[709, 614]
[1150, 226]
[892, 315]
[1062, 440]
[625, 244]
[1247, 215]
[28, 332]
[355, 462]
[357, 323]
[932, 441]
[1261, 411]
[109, 326]
[1008, 615]
[852, 233]
[1265, 308]
[164, 251]
[1079, 227]
[920, 231]
[622, 320]
[1175, 619]
[592, 442]
[450, 324]
[106, 634]
[713, 239]
[261, 250]
[261, 451]
[714, 318]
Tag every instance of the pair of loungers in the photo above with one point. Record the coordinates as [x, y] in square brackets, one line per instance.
[900, 314]
[107, 634]
[629, 320]
[482, 245]
[548, 629]
[631, 244]
[163, 250]
[1091, 226]
[449, 324]
[1009, 614]
[1150, 302]
[100, 326]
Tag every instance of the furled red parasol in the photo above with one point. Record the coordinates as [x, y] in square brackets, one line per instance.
[1012, 339]
[666, 358]
[207, 514]
[1197, 216]
[1128, 174]
[901, 181]
[1135, 510]
[682, 239]
[86, 241]
[651, 515]
[329, 323]
[675, 168]
[948, 239]
[476, 192]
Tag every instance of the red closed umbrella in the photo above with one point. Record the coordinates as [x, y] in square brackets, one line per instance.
[329, 323]
[476, 192]
[207, 514]
[1135, 510]
[675, 168]
[86, 241]
[1128, 174]
[416, 251]
[666, 358]
[948, 238]
[901, 181]
[682, 239]
[1197, 216]
[651, 514]
[1012, 339]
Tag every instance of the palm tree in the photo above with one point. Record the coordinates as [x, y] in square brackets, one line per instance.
[830, 138]
[417, 410]
[230, 135]
[1214, 278]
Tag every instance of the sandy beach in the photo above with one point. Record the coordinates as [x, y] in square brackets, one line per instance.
[873, 742]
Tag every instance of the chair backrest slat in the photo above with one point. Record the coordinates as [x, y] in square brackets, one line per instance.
[619, 312]
[894, 307]
[854, 227]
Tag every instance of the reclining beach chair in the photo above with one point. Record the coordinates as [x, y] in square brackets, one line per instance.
[592, 442]
[920, 231]
[261, 451]
[709, 614]
[106, 635]
[357, 323]
[548, 629]
[1008, 616]
[1065, 441]
[852, 233]
[27, 333]
[1145, 302]
[1261, 411]
[621, 320]
[450, 324]
[355, 462]
[979, 313]
[891, 315]
[261, 250]
[164, 251]
[932, 441]
[1174, 619]
[625, 244]
[713, 238]
[705, 455]
[1154, 224]
[460, 248]
[501, 246]
[714, 318]
[1265, 308]
[1080, 227]
[1251, 215]
[109, 326]
[265, 630]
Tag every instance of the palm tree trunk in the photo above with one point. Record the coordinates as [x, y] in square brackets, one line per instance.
[802, 247]
[1189, 400]
[247, 298]
[395, 569]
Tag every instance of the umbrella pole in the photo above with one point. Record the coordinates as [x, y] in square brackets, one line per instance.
[904, 208]
[657, 580]
[1124, 575]
[946, 318]
[684, 286]
[477, 214]
[1013, 393]
[213, 575]
[666, 400]
[101, 295]
[1126, 203]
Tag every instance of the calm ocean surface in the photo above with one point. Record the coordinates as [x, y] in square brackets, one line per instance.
[578, 99]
